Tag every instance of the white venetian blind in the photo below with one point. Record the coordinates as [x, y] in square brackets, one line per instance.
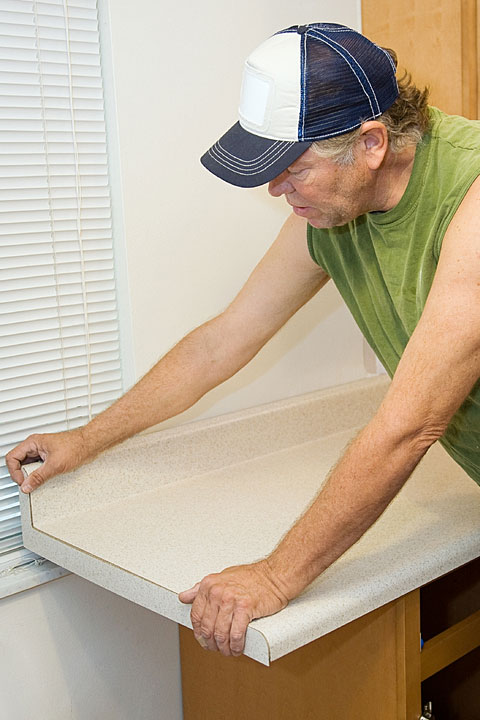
[59, 345]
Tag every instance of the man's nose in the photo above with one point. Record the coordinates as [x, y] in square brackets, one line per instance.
[280, 185]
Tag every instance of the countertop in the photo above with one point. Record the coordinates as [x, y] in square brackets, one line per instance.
[156, 514]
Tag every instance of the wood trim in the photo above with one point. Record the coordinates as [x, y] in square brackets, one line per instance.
[432, 40]
[407, 629]
[469, 58]
[478, 55]
[450, 645]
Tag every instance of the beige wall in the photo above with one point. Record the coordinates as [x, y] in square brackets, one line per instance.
[69, 649]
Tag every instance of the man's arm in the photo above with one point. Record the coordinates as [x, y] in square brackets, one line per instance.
[281, 283]
[438, 368]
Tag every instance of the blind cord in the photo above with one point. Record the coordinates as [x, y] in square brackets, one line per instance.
[50, 213]
[78, 191]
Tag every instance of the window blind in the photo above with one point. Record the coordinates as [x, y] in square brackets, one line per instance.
[59, 339]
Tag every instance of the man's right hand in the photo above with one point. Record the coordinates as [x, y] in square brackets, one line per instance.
[60, 452]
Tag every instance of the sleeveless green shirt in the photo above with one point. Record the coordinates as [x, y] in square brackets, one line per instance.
[383, 264]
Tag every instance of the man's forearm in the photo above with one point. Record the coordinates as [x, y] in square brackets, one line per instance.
[367, 478]
[195, 365]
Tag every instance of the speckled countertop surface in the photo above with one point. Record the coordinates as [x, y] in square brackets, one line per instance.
[153, 516]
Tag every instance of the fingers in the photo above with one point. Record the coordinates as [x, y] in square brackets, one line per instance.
[223, 624]
[238, 631]
[196, 616]
[219, 618]
[60, 452]
[28, 449]
[205, 615]
[225, 603]
[188, 596]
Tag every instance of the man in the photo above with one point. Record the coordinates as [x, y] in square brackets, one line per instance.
[385, 200]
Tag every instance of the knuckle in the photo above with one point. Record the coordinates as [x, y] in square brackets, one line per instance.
[216, 592]
[35, 479]
[244, 603]
[228, 597]
[206, 632]
[237, 637]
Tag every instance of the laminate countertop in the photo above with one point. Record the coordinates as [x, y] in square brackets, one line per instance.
[156, 514]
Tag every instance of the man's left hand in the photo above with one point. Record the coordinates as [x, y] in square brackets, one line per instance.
[224, 603]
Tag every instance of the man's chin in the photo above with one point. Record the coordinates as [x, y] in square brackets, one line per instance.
[322, 224]
[326, 223]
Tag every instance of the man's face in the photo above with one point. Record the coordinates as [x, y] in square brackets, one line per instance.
[325, 193]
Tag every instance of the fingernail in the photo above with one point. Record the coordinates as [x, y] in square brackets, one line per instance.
[25, 488]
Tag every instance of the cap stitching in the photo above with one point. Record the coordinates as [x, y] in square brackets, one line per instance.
[266, 152]
[266, 163]
[233, 169]
[274, 149]
[303, 87]
[332, 45]
[334, 30]
[389, 58]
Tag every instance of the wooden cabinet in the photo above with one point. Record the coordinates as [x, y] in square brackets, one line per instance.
[436, 40]
[450, 622]
[370, 669]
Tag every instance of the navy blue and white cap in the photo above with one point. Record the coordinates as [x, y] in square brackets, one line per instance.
[305, 83]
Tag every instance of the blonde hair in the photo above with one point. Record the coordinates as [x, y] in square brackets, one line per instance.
[406, 122]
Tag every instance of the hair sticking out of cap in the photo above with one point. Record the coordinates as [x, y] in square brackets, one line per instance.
[392, 54]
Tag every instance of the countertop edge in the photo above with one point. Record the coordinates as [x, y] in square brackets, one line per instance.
[120, 581]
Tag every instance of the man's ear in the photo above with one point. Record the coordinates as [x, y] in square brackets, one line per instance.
[374, 140]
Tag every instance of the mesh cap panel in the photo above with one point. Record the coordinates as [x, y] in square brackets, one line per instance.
[338, 94]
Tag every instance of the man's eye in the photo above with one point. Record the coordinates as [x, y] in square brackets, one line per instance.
[299, 173]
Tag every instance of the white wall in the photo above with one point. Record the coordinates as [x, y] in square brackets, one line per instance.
[69, 649]
[191, 239]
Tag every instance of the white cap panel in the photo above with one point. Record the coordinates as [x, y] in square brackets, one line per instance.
[270, 97]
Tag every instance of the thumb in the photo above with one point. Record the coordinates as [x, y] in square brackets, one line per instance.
[188, 596]
[34, 480]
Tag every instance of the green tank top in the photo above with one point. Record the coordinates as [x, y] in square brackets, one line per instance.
[383, 263]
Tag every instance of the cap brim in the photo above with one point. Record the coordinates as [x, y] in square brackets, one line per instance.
[246, 160]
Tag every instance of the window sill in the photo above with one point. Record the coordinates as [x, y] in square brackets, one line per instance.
[24, 570]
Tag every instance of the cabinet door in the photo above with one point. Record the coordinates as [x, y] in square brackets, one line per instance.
[436, 41]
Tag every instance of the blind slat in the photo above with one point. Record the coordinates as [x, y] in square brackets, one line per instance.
[57, 361]
[29, 349]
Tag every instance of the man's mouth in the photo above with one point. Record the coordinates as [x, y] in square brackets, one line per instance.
[300, 209]
[296, 207]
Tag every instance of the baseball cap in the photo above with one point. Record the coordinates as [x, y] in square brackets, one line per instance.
[305, 83]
